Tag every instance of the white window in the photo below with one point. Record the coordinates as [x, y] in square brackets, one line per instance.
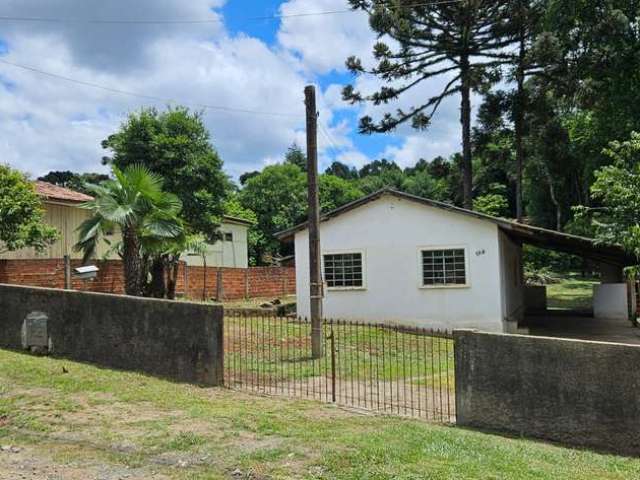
[344, 270]
[446, 267]
[228, 237]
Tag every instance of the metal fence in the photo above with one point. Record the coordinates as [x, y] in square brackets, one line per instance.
[388, 369]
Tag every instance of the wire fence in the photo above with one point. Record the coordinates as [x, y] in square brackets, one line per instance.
[387, 369]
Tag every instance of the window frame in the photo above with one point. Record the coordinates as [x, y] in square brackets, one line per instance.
[350, 251]
[433, 248]
[226, 235]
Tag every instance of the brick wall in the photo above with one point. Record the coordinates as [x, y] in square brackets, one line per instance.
[237, 283]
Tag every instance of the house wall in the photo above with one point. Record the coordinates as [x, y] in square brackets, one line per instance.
[224, 253]
[511, 279]
[66, 218]
[389, 232]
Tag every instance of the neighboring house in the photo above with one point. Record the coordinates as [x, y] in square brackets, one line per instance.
[396, 258]
[63, 211]
[231, 251]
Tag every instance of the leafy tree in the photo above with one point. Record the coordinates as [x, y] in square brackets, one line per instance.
[278, 198]
[21, 214]
[461, 41]
[494, 203]
[335, 192]
[617, 190]
[296, 156]
[341, 170]
[176, 145]
[72, 180]
[135, 203]
[247, 175]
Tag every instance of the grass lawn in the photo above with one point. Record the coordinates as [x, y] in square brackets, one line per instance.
[99, 423]
[571, 293]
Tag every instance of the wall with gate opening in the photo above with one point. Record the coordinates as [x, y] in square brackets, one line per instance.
[571, 391]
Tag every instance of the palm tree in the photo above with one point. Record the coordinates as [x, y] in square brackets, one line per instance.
[133, 202]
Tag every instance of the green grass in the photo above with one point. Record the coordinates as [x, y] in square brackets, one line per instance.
[92, 416]
[571, 293]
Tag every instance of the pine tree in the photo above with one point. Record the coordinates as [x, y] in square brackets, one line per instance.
[462, 40]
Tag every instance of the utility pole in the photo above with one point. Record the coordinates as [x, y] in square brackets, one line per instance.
[315, 277]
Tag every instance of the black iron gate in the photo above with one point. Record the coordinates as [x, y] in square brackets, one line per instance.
[387, 369]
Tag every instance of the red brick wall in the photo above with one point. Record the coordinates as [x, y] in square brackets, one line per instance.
[237, 283]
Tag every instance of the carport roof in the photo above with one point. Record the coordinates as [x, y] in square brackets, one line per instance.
[537, 236]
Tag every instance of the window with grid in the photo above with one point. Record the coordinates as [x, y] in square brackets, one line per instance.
[444, 267]
[343, 270]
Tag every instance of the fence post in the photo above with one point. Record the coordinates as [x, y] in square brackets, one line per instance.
[219, 286]
[186, 280]
[67, 272]
[332, 340]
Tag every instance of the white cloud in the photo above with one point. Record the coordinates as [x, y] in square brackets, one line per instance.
[47, 123]
[324, 42]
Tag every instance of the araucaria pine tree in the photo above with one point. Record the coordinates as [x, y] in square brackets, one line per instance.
[462, 41]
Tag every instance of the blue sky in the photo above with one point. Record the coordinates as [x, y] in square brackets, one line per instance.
[234, 61]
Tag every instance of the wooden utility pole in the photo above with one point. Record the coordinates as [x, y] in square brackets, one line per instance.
[315, 277]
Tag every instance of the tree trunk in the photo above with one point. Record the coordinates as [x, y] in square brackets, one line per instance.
[172, 277]
[158, 287]
[554, 198]
[132, 263]
[465, 120]
[519, 128]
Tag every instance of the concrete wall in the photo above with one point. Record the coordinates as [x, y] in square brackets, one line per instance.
[390, 232]
[571, 391]
[177, 340]
[611, 301]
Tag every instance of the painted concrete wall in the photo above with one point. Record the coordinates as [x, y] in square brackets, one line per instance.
[578, 392]
[511, 279]
[224, 253]
[390, 233]
[610, 301]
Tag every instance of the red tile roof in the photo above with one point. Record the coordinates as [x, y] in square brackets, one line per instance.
[50, 191]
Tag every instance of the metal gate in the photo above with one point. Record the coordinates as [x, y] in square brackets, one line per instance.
[387, 369]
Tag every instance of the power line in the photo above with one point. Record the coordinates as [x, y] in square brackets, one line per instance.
[277, 16]
[147, 97]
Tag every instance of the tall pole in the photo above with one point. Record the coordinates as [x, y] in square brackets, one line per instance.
[315, 278]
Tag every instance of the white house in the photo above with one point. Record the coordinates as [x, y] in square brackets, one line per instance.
[391, 257]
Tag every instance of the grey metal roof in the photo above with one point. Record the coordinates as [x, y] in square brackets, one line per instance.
[542, 237]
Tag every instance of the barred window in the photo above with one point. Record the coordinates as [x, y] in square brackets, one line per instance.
[343, 270]
[444, 267]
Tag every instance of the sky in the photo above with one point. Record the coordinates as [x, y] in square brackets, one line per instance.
[252, 55]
